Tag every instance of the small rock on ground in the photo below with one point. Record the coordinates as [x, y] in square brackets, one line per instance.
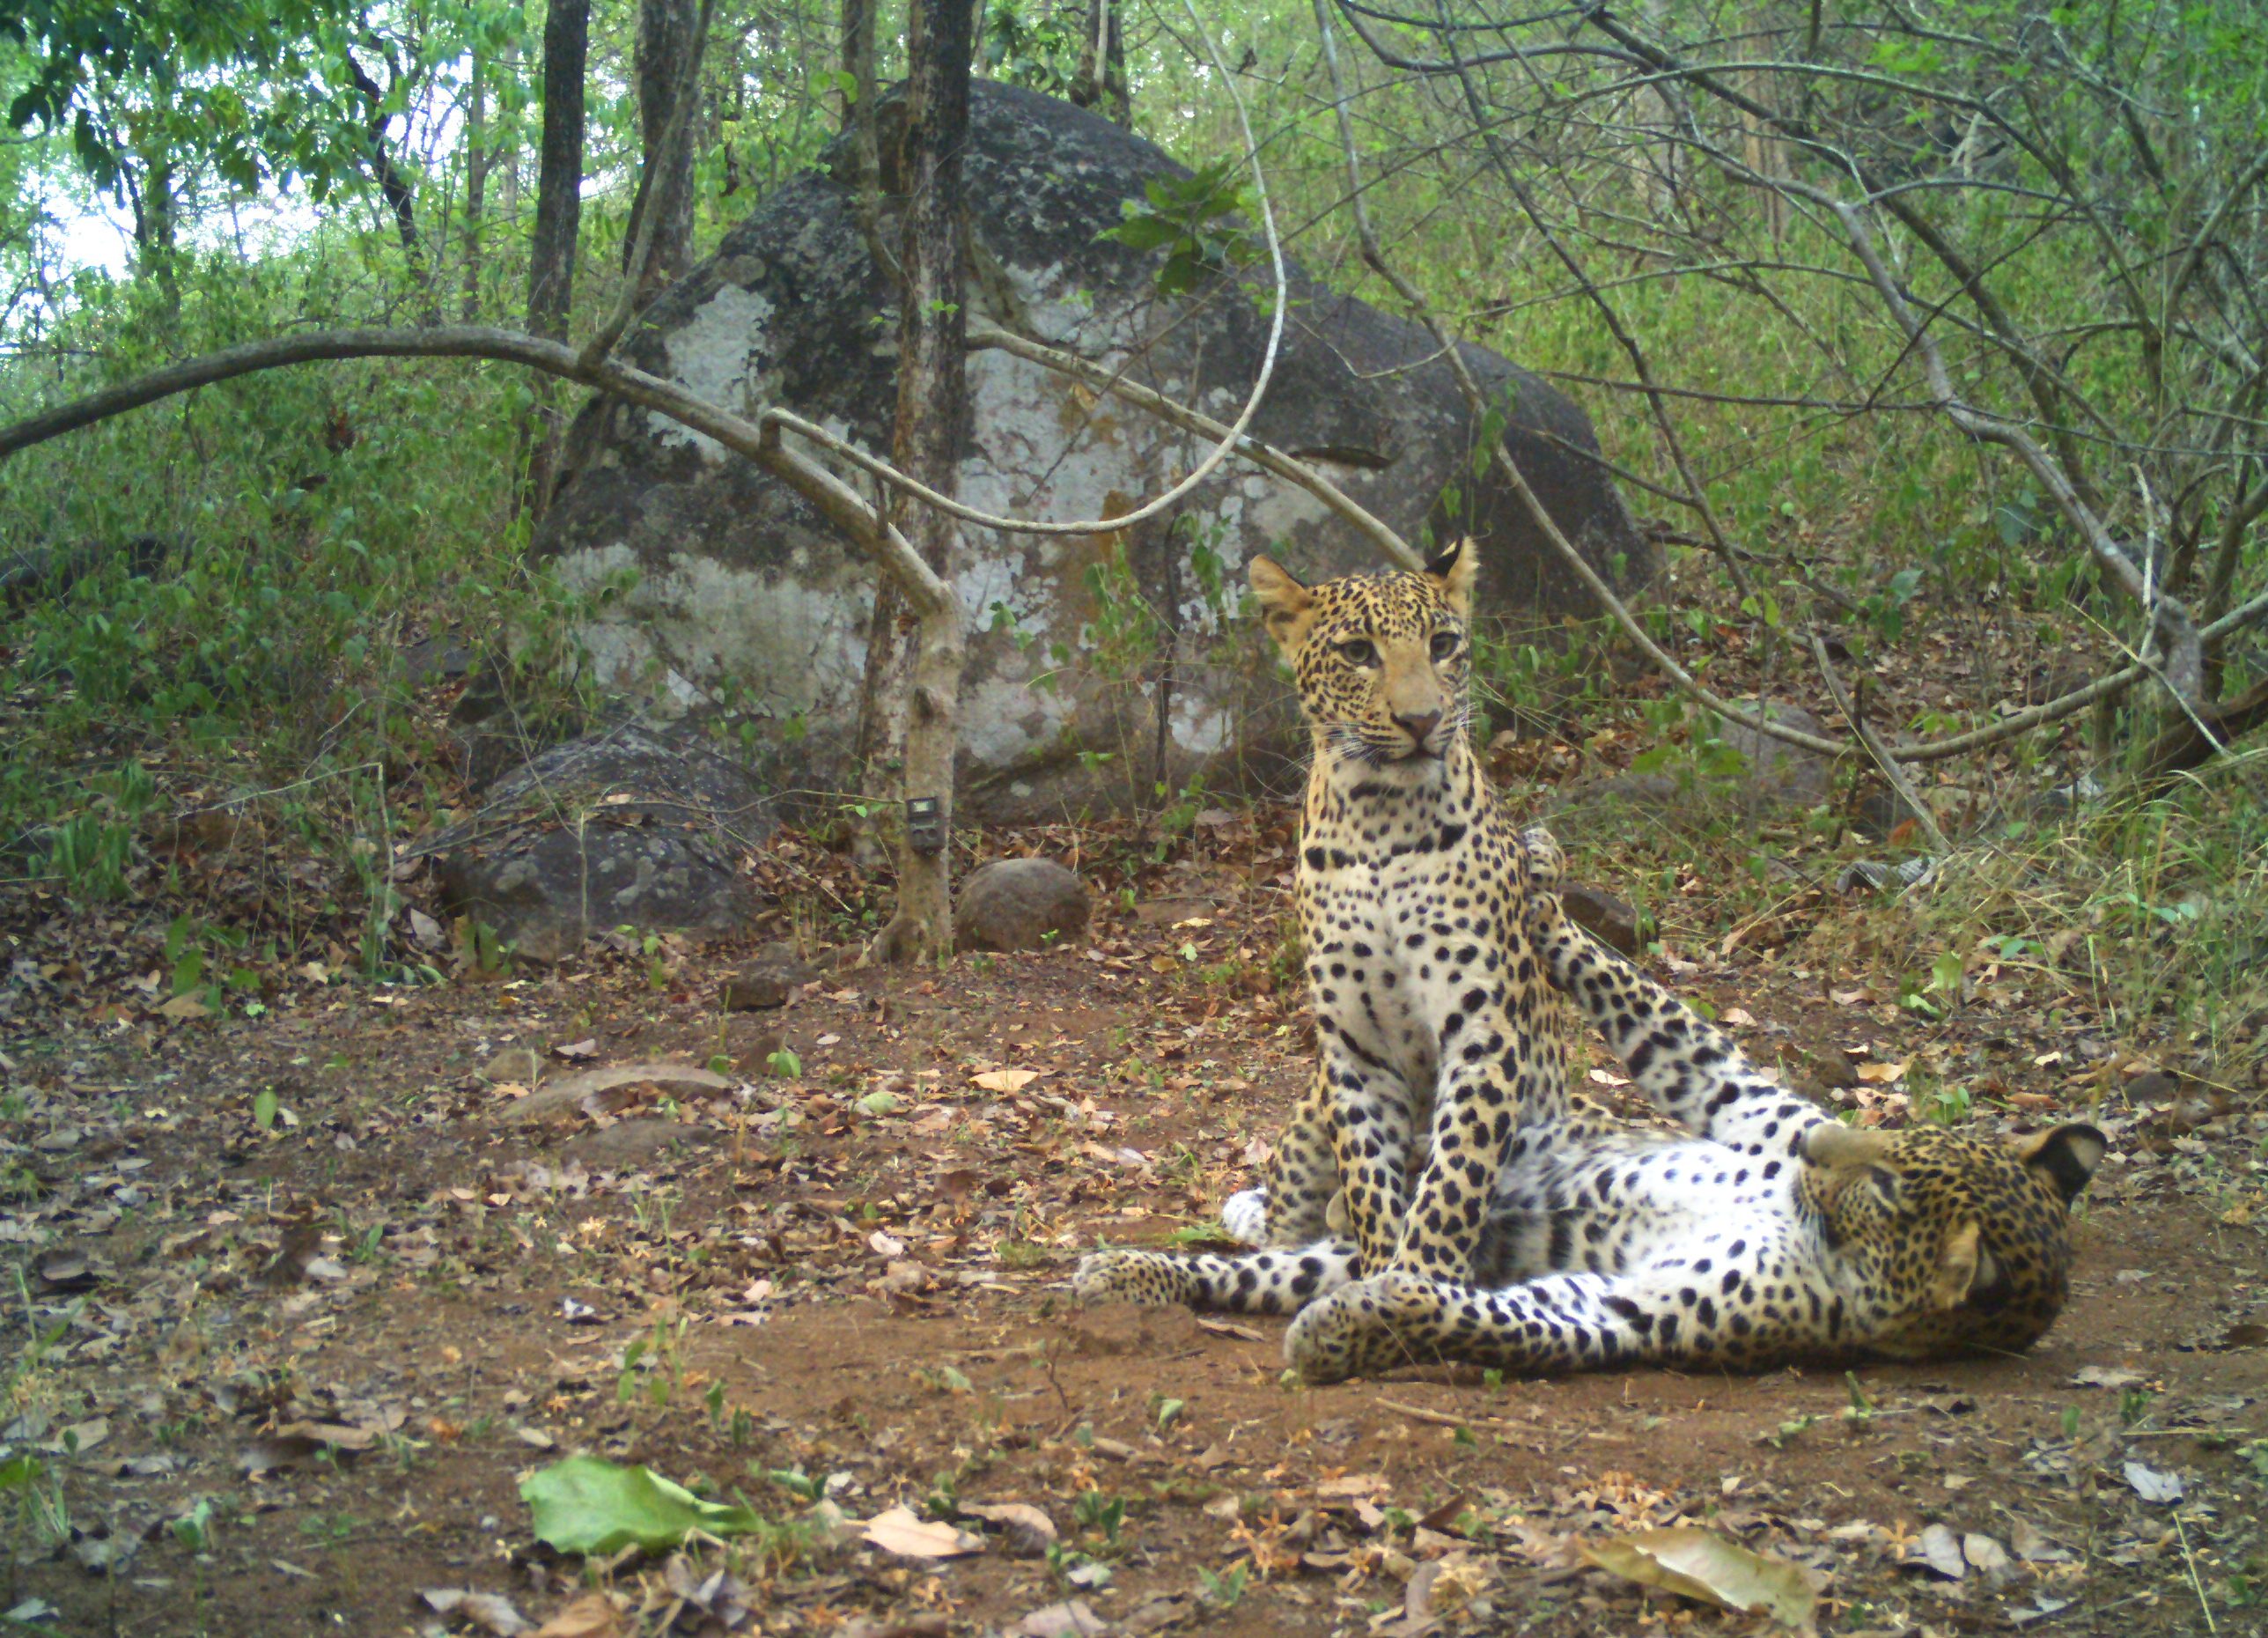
[768, 981]
[1014, 904]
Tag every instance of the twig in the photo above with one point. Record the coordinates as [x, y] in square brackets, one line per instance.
[1879, 751]
[2189, 1562]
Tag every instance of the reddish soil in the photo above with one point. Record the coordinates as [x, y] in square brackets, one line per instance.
[350, 1335]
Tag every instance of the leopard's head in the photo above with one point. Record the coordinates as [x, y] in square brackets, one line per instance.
[1960, 1243]
[1383, 661]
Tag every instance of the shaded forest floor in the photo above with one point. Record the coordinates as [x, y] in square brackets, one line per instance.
[310, 1296]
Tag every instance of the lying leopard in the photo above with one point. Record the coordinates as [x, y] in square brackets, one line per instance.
[1767, 1235]
[1773, 1235]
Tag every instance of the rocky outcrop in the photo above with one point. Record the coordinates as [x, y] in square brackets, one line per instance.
[1098, 666]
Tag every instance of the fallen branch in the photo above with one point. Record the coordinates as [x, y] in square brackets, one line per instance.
[2192, 741]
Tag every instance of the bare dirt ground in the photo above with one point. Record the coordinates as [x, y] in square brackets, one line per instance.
[300, 1298]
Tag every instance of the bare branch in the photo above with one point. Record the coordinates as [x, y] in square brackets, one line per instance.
[760, 443]
[1879, 752]
[1266, 456]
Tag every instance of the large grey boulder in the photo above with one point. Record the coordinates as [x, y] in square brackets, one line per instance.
[1097, 665]
[628, 828]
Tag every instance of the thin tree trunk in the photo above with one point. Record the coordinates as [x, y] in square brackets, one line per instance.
[1101, 80]
[400, 197]
[476, 181]
[866, 178]
[505, 158]
[667, 53]
[156, 212]
[927, 442]
[558, 220]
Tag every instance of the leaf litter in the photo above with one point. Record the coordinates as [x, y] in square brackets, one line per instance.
[898, 1222]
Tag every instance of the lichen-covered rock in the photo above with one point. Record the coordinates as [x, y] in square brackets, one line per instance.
[630, 827]
[1016, 903]
[1098, 666]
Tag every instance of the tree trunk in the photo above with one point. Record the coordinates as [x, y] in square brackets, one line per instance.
[925, 444]
[866, 178]
[1101, 82]
[476, 181]
[667, 56]
[400, 197]
[157, 220]
[505, 159]
[558, 220]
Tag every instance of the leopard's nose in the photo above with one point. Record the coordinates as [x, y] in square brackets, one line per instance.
[1418, 725]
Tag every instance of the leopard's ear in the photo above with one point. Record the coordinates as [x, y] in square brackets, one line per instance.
[1831, 1143]
[1453, 568]
[1286, 606]
[1961, 1264]
[2064, 1155]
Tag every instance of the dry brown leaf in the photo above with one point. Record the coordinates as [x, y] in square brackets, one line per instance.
[897, 1530]
[591, 1616]
[1005, 1080]
[1698, 1564]
[1027, 1531]
[1882, 1075]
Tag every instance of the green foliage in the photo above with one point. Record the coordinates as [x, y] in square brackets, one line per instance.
[588, 1506]
[1035, 45]
[1194, 220]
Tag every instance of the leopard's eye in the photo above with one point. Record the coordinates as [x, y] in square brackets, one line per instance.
[1444, 643]
[1360, 653]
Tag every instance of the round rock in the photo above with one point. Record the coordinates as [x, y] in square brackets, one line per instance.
[1014, 904]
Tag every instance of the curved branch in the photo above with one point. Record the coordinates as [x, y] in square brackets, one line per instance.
[843, 506]
[1266, 456]
[758, 442]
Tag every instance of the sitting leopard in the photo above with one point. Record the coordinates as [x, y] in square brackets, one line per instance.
[1436, 1031]
[1772, 1236]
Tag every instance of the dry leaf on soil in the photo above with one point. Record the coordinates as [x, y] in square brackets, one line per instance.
[1940, 1549]
[1005, 1080]
[1696, 1564]
[485, 1610]
[1073, 1620]
[897, 1530]
[1028, 1532]
[591, 1616]
[2152, 1486]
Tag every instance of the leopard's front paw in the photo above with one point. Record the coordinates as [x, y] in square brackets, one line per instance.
[1151, 1278]
[1244, 1217]
[1355, 1330]
[1546, 862]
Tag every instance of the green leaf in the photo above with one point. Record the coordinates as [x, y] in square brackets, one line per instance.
[1142, 232]
[20, 1472]
[589, 1506]
[263, 1108]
